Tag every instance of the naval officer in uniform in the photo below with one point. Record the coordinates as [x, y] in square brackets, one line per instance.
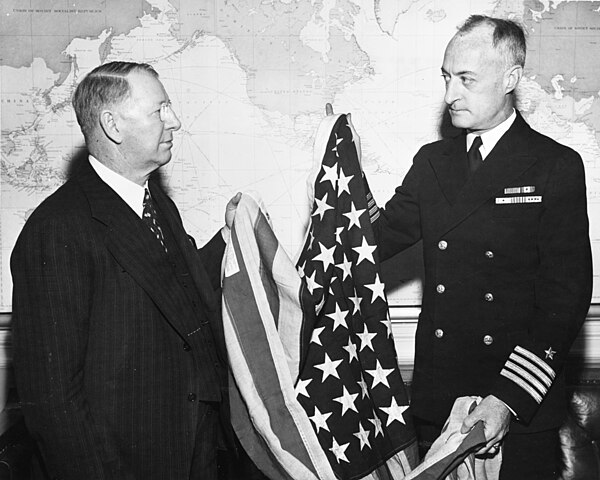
[507, 257]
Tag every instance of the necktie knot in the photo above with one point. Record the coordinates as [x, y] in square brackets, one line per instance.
[150, 218]
[474, 155]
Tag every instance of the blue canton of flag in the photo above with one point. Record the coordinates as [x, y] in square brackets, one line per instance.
[349, 384]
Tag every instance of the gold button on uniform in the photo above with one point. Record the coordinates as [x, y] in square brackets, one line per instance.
[439, 333]
[443, 245]
[440, 288]
[488, 339]
[489, 254]
[488, 297]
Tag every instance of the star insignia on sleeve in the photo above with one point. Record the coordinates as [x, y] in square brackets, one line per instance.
[549, 353]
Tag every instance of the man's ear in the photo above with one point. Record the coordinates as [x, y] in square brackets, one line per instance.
[513, 77]
[110, 126]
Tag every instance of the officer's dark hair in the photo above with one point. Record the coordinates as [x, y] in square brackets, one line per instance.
[104, 86]
[507, 35]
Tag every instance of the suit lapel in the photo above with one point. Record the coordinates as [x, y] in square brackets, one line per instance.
[186, 246]
[134, 250]
[510, 158]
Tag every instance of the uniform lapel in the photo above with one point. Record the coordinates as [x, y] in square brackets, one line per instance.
[450, 168]
[138, 253]
[510, 158]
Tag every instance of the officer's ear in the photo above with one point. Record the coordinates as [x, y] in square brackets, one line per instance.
[512, 77]
[110, 125]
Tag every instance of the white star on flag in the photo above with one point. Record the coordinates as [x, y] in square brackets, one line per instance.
[388, 325]
[325, 256]
[345, 267]
[337, 142]
[355, 299]
[338, 233]
[379, 375]
[363, 387]
[330, 175]
[311, 284]
[377, 424]
[301, 387]
[378, 289]
[344, 182]
[366, 339]
[320, 420]
[347, 401]
[354, 216]
[322, 206]
[365, 251]
[338, 317]
[329, 367]
[394, 412]
[338, 451]
[315, 335]
[351, 349]
[363, 436]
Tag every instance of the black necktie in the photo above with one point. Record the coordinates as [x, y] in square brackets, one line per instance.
[474, 155]
[150, 218]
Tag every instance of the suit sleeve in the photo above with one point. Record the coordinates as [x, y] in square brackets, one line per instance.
[51, 304]
[563, 287]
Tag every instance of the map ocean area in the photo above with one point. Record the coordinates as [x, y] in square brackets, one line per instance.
[249, 81]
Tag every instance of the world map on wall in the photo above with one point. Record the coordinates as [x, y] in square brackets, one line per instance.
[249, 80]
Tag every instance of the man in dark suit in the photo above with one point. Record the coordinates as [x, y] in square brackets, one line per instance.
[118, 345]
[507, 257]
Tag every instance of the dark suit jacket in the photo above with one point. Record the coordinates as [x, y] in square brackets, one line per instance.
[111, 355]
[507, 282]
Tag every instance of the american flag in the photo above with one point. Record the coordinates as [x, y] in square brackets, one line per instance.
[316, 391]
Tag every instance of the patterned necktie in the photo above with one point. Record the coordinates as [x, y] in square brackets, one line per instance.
[150, 218]
[474, 155]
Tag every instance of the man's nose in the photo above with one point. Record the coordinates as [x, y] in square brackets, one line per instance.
[169, 117]
[451, 92]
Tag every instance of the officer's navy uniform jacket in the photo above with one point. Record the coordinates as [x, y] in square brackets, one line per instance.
[507, 272]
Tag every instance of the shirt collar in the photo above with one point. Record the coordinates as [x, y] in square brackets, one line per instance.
[131, 193]
[490, 138]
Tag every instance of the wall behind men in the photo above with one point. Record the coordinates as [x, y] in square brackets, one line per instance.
[249, 81]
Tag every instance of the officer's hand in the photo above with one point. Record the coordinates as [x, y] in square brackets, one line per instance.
[231, 208]
[328, 109]
[496, 420]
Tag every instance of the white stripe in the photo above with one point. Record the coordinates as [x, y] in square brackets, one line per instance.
[528, 377]
[375, 216]
[534, 358]
[524, 362]
[511, 376]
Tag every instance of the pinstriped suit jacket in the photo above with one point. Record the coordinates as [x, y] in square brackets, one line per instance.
[104, 354]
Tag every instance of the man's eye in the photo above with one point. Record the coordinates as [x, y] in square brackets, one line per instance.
[467, 80]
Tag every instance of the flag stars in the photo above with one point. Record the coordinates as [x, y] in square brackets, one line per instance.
[301, 387]
[329, 367]
[322, 206]
[354, 216]
[380, 375]
[338, 233]
[311, 283]
[351, 349]
[356, 300]
[378, 289]
[364, 389]
[343, 183]
[320, 420]
[377, 424]
[394, 412]
[338, 451]
[325, 256]
[363, 436]
[337, 142]
[366, 339]
[345, 267]
[338, 317]
[365, 252]
[330, 175]
[315, 338]
[347, 401]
